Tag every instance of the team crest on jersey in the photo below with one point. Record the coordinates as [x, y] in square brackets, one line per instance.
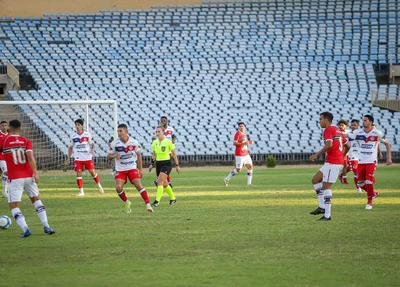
[130, 148]
[372, 138]
[163, 148]
[84, 139]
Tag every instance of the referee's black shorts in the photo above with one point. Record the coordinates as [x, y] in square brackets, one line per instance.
[163, 166]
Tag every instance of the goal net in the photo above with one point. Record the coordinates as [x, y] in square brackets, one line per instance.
[50, 125]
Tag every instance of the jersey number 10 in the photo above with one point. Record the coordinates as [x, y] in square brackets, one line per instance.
[18, 156]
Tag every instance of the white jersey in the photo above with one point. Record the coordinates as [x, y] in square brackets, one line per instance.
[128, 151]
[368, 144]
[81, 145]
[354, 152]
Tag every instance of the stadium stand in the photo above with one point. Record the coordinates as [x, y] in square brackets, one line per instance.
[272, 64]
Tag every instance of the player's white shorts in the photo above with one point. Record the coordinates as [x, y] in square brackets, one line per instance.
[331, 172]
[16, 188]
[243, 160]
[3, 166]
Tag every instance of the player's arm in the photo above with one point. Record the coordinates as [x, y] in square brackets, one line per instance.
[327, 146]
[140, 163]
[388, 153]
[380, 152]
[175, 157]
[153, 160]
[69, 154]
[32, 163]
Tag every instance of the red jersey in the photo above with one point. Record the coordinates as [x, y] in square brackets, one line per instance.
[2, 135]
[241, 138]
[14, 148]
[335, 154]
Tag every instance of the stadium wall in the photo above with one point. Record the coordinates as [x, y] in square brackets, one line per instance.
[36, 8]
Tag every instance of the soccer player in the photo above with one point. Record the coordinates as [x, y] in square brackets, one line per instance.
[242, 156]
[22, 174]
[342, 125]
[369, 139]
[336, 147]
[352, 156]
[126, 151]
[169, 133]
[163, 148]
[83, 148]
[3, 165]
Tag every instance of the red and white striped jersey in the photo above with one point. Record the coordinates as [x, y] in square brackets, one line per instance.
[81, 145]
[368, 144]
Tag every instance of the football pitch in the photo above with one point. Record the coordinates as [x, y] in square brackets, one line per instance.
[214, 236]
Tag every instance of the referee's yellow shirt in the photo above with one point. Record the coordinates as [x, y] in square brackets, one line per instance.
[162, 149]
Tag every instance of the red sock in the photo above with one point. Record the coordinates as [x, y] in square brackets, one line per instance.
[144, 195]
[79, 181]
[364, 187]
[169, 178]
[370, 192]
[96, 179]
[122, 195]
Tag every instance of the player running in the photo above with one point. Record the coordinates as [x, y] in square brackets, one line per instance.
[368, 140]
[336, 147]
[126, 151]
[242, 156]
[22, 175]
[83, 148]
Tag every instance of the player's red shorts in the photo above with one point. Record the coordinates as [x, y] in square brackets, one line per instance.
[366, 172]
[130, 174]
[353, 165]
[79, 164]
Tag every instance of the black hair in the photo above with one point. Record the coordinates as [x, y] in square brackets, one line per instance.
[355, 121]
[3, 122]
[79, 121]
[14, 124]
[124, 126]
[371, 118]
[327, 115]
[241, 123]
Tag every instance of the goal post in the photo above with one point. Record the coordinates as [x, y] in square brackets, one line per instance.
[50, 124]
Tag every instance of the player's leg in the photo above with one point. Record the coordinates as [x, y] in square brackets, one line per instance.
[369, 183]
[15, 189]
[134, 178]
[353, 167]
[361, 176]
[239, 160]
[249, 165]
[168, 189]
[330, 175]
[89, 165]
[33, 193]
[162, 180]
[4, 178]
[120, 180]
[317, 183]
[78, 167]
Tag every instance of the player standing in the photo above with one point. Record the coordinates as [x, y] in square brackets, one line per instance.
[163, 148]
[342, 125]
[328, 174]
[83, 148]
[126, 151]
[22, 174]
[242, 155]
[353, 155]
[169, 133]
[3, 165]
[369, 139]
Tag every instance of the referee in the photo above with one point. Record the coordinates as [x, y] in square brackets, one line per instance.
[162, 149]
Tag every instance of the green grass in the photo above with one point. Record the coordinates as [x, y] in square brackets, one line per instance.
[214, 236]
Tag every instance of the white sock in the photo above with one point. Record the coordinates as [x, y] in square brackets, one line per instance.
[41, 212]
[320, 194]
[232, 173]
[249, 176]
[19, 218]
[328, 202]
[81, 190]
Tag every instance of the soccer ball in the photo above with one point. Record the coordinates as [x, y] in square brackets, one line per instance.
[5, 222]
